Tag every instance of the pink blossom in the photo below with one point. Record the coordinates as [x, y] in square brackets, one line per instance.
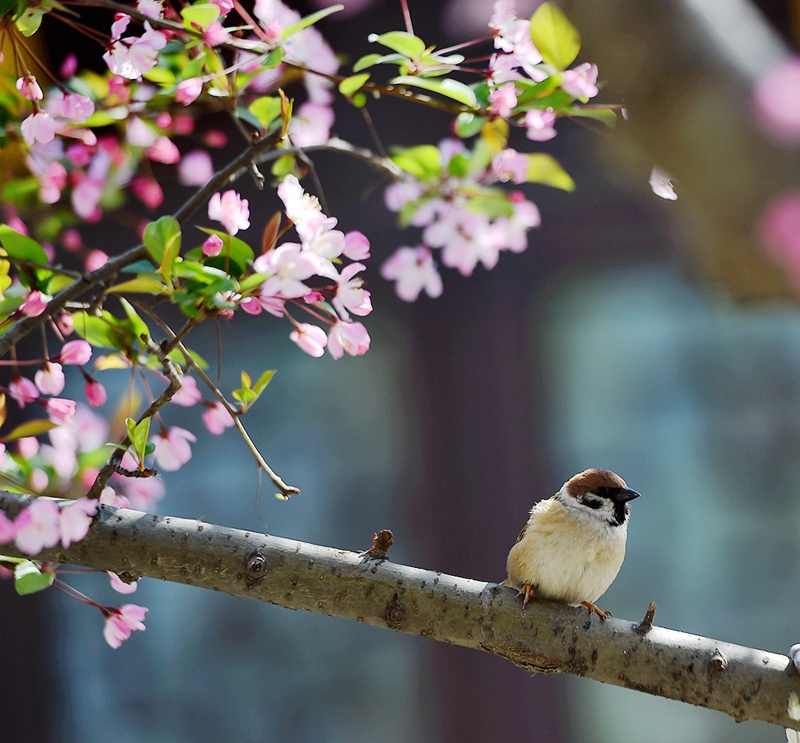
[150, 8]
[313, 297]
[121, 622]
[776, 100]
[195, 168]
[215, 138]
[230, 209]
[415, 271]
[140, 134]
[661, 183]
[187, 91]
[310, 338]
[350, 294]
[76, 352]
[225, 6]
[188, 394]
[580, 81]
[274, 305]
[288, 266]
[38, 480]
[510, 165]
[68, 67]
[512, 35]
[540, 124]
[299, 205]
[85, 198]
[402, 192]
[311, 125]
[76, 518]
[76, 107]
[52, 181]
[7, 528]
[356, 246]
[120, 586]
[216, 418]
[502, 99]
[350, 337]
[96, 394]
[147, 190]
[23, 390]
[28, 447]
[215, 34]
[173, 448]
[29, 88]
[212, 245]
[273, 32]
[503, 69]
[251, 305]
[131, 57]
[35, 303]
[779, 230]
[60, 409]
[50, 379]
[65, 323]
[95, 259]
[38, 527]
[466, 239]
[165, 151]
[40, 126]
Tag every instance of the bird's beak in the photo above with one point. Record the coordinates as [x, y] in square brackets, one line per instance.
[625, 495]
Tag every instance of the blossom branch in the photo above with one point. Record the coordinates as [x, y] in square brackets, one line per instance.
[286, 491]
[745, 683]
[174, 377]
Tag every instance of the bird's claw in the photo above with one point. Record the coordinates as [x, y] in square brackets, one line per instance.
[594, 609]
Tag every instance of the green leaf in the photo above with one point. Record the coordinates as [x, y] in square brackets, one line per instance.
[233, 258]
[368, 60]
[423, 161]
[28, 23]
[106, 330]
[22, 246]
[163, 241]
[546, 170]
[491, 204]
[468, 125]
[148, 284]
[310, 20]
[29, 428]
[606, 116]
[134, 323]
[400, 41]
[29, 579]
[353, 84]
[138, 433]
[557, 40]
[263, 381]
[177, 356]
[444, 86]
[201, 15]
[249, 393]
[266, 109]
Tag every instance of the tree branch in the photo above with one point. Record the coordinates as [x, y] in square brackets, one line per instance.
[745, 683]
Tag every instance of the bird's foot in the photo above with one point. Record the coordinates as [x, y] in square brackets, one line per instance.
[526, 592]
[594, 609]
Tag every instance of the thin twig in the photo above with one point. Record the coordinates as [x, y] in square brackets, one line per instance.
[286, 491]
[115, 460]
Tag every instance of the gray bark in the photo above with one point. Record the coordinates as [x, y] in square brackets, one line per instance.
[745, 683]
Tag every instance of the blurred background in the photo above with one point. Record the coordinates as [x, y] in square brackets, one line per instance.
[650, 337]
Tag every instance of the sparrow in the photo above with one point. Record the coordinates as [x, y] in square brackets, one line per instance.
[573, 545]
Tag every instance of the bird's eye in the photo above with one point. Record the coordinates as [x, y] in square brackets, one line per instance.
[591, 500]
[606, 492]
